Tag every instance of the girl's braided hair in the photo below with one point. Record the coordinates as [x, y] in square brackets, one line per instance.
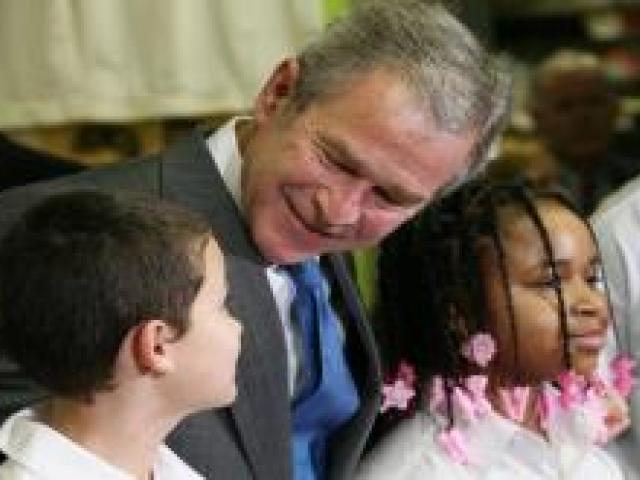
[431, 294]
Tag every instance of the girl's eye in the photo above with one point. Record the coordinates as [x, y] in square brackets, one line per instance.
[596, 281]
[549, 282]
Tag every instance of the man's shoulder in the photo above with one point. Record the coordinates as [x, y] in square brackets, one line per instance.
[147, 174]
[134, 175]
[89, 177]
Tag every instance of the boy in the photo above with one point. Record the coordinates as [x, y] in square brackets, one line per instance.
[116, 305]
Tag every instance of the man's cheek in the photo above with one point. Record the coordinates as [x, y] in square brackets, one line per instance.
[375, 227]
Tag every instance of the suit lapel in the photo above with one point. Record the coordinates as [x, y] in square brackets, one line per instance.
[347, 443]
[261, 411]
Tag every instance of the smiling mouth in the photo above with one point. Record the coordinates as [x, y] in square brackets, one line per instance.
[310, 227]
[589, 341]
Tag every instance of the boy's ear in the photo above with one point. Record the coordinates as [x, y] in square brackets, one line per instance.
[152, 347]
[277, 88]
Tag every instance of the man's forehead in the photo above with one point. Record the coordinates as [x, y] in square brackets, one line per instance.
[359, 164]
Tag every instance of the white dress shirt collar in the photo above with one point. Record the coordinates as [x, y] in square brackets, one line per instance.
[223, 146]
[34, 450]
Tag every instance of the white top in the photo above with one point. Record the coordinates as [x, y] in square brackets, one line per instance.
[505, 450]
[37, 452]
[617, 226]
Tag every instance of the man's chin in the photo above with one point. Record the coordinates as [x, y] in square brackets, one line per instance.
[281, 251]
[289, 254]
[281, 254]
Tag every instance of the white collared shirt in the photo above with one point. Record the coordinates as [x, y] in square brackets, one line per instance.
[224, 149]
[37, 452]
[504, 449]
[616, 224]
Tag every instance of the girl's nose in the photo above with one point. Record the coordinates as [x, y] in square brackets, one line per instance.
[589, 303]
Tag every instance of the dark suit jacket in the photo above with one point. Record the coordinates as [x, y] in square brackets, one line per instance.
[250, 440]
[20, 165]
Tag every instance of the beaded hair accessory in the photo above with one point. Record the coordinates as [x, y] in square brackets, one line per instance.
[594, 410]
[401, 390]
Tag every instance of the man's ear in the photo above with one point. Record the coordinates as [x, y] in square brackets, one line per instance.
[152, 347]
[277, 88]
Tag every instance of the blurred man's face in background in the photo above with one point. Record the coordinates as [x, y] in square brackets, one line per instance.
[575, 115]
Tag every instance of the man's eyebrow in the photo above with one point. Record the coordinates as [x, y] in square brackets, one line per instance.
[340, 153]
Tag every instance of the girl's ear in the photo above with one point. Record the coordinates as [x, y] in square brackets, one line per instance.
[152, 347]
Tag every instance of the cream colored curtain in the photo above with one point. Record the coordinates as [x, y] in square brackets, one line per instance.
[75, 60]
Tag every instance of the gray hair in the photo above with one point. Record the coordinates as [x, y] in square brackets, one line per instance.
[433, 53]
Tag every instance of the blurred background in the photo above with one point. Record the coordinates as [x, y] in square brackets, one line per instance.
[576, 120]
[87, 82]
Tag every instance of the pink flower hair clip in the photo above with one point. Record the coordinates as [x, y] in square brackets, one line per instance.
[602, 400]
[479, 349]
[437, 397]
[454, 443]
[622, 372]
[572, 389]
[400, 390]
[514, 402]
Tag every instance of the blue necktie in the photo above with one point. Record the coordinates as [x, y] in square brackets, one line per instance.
[329, 397]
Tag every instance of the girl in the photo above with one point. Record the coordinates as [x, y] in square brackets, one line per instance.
[493, 305]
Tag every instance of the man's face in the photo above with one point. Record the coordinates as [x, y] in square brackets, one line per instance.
[346, 171]
[576, 115]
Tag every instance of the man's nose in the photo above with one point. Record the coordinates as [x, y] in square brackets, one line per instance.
[341, 205]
